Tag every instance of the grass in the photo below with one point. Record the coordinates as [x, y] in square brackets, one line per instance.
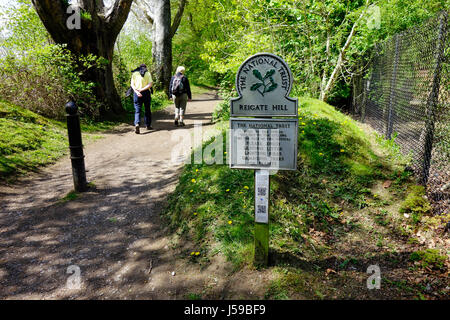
[71, 196]
[416, 204]
[429, 258]
[29, 141]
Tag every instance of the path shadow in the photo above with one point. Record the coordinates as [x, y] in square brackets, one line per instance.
[111, 233]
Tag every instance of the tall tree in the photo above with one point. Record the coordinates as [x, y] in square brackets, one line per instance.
[97, 34]
[158, 14]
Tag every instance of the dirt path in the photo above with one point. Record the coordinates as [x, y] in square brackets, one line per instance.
[112, 233]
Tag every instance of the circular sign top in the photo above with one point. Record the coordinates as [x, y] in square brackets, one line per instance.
[264, 75]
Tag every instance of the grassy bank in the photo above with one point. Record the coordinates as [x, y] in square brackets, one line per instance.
[29, 141]
[331, 214]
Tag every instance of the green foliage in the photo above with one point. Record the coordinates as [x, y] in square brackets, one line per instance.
[307, 34]
[71, 196]
[222, 110]
[23, 27]
[429, 258]
[47, 79]
[122, 76]
[159, 101]
[188, 44]
[38, 74]
[416, 204]
[85, 15]
[194, 296]
[29, 141]
[133, 48]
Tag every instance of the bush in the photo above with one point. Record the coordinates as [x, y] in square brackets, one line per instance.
[39, 75]
[47, 79]
[159, 100]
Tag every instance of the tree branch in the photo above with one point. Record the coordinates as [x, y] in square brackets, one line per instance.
[53, 14]
[146, 10]
[191, 23]
[118, 15]
[140, 18]
[178, 17]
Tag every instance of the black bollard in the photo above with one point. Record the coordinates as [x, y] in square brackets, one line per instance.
[76, 147]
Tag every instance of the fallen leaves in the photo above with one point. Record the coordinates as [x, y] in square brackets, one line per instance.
[330, 271]
[387, 184]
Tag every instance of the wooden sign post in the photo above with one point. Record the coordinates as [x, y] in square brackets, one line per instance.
[261, 143]
[262, 192]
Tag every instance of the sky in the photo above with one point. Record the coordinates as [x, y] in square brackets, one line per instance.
[5, 2]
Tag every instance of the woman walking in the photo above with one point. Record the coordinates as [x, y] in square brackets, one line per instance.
[180, 92]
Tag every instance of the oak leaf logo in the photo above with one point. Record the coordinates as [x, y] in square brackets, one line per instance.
[267, 83]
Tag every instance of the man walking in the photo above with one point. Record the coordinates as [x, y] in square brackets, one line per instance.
[141, 83]
[180, 92]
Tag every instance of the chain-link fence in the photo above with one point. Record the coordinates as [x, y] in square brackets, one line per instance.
[405, 95]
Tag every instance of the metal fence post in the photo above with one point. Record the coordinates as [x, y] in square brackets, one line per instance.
[76, 147]
[433, 98]
[366, 90]
[389, 124]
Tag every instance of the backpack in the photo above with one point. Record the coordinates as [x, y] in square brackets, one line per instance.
[178, 86]
[129, 92]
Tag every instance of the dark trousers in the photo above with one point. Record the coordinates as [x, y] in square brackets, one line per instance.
[145, 100]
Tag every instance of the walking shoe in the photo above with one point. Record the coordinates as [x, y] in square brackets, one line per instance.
[149, 128]
[182, 124]
[176, 123]
[137, 130]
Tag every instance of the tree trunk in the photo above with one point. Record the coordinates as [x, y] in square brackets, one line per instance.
[97, 35]
[158, 15]
[162, 44]
[105, 91]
